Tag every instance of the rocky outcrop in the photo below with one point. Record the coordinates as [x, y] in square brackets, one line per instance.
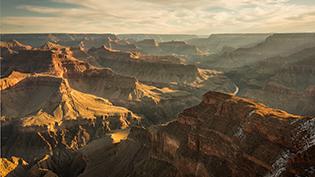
[12, 80]
[222, 136]
[8, 166]
[45, 105]
[167, 77]
[81, 54]
[130, 64]
[124, 91]
[32, 61]
[56, 120]
[155, 104]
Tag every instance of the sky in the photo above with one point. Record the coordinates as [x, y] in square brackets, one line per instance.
[157, 16]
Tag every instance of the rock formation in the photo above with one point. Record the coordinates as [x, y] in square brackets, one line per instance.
[155, 71]
[126, 91]
[83, 105]
[39, 105]
[282, 82]
[224, 135]
[32, 61]
[8, 165]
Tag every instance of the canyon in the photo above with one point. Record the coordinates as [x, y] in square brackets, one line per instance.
[83, 105]
[224, 135]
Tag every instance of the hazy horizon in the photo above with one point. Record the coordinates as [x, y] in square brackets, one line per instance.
[180, 34]
[200, 17]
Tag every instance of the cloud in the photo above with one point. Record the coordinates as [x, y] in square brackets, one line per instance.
[164, 16]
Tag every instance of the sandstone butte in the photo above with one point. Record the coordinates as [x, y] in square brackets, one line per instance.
[126, 91]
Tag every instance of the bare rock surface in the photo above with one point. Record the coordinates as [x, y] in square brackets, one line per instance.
[224, 135]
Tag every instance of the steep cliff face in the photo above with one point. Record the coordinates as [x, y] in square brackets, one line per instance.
[158, 71]
[281, 82]
[222, 136]
[38, 106]
[155, 104]
[130, 64]
[32, 61]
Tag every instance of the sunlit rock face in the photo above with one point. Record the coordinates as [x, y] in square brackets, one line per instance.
[39, 105]
[159, 70]
[156, 104]
[224, 135]
[144, 70]
[40, 102]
